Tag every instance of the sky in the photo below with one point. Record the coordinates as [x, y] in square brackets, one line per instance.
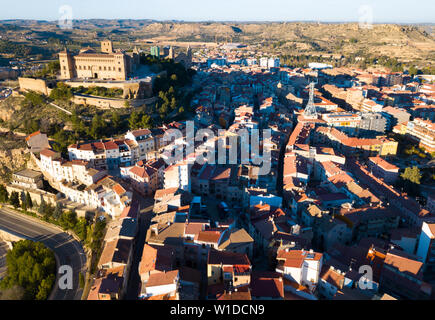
[389, 11]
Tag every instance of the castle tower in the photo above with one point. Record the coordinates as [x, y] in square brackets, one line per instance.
[107, 46]
[310, 109]
[171, 53]
[66, 65]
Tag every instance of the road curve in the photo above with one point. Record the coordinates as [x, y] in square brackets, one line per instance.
[67, 250]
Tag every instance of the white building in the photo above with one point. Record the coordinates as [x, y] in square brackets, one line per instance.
[301, 266]
[178, 176]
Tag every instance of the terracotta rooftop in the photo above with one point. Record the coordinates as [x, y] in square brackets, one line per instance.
[162, 278]
[227, 258]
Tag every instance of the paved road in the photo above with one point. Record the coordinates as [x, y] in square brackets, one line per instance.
[67, 250]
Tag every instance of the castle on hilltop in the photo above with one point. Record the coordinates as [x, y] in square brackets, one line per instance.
[105, 65]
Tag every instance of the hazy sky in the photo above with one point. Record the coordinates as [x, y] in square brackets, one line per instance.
[234, 10]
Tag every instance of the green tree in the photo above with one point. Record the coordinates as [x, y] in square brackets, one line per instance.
[81, 280]
[81, 228]
[412, 174]
[134, 120]
[4, 195]
[15, 199]
[31, 266]
[24, 201]
[58, 210]
[116, 120]
[98, 126]
[31, 125]
[33, 99]
[77, 123]
[413, 71]
[42, 207]
[61, 92]
[146, 121]
[29, 202]
[68, 220]
[48, 212]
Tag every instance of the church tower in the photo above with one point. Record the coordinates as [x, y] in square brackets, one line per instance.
[310, 109]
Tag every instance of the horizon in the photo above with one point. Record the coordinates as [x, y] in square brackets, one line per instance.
[242, 11]
[226, 21]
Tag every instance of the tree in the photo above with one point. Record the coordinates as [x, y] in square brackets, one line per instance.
[31, 266]
[116, 120]
[15, 199]
[77, 123]
[412, 174]
[413, 71]
[61, 92]
[81, 280]
[68, 220]
[4, 195]
[42, 207]
[33, 99]
[58, 210]
[134, 120]
[146, 121]
[81, 228]
[97, 235]
[97, 127]
[411, 180]
[24, 201]
[48, 212]
[29, 202]
[31, 125]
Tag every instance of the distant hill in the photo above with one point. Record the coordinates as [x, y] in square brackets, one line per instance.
[404, 42]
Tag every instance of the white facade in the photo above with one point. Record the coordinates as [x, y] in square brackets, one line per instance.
[425, 241]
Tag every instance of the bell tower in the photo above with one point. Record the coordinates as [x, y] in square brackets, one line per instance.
[107, 46]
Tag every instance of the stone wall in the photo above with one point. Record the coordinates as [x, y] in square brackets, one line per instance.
[107, 103]
[35, 194]
[140, 89]
[38, 85]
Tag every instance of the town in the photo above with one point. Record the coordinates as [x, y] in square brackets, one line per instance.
[345, 211]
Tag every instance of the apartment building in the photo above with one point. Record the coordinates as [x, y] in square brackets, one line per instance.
[300, 266]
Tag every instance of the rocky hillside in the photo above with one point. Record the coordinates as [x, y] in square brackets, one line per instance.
[13, 155]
